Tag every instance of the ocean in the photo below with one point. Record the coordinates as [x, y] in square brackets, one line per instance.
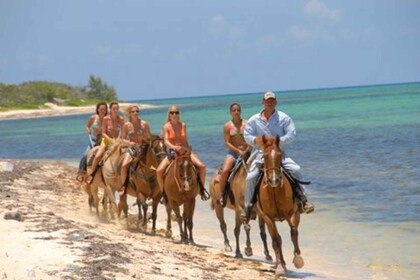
[359, 146]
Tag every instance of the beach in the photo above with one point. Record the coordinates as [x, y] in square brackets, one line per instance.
[57, 237]
[351, 143]
[52, 110]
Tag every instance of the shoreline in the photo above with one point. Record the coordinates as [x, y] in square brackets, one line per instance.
[61, 237]
[53, 110]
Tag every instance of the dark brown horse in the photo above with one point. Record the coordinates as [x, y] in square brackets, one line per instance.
[237, 186]
[181, 188]
[276, 202]
[144, 184]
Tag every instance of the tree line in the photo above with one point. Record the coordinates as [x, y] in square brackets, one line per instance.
[31, 95]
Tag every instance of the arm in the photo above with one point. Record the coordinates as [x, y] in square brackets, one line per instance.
[186, 143]
[289, 130]
[147, 131]
[89, 123]
[250, 131]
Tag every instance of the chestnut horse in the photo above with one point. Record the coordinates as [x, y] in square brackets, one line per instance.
[144, 184]
[237, 187]
[181, 188]
[276, 202]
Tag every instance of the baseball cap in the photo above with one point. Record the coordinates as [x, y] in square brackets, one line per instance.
[269, 94]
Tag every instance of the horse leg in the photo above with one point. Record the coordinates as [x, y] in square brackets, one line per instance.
[168, 221]
[237, 232]
[277, 243]
[95, 199]
[263, 235]
[122, 205]
[141, 203]
[294, 234]
[154, 214]
[179, 220]
[221, 217]
[248, 249]
[189, 211]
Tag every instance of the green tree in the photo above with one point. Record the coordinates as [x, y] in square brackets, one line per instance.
[98, 89]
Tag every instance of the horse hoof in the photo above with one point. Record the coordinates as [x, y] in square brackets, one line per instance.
[238, 255]
[168, 233]
[280, 270]
[248, 252]
[228, 248]
[268, 258]
[298, 261]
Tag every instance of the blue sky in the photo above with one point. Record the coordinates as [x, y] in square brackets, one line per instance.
[163, 49]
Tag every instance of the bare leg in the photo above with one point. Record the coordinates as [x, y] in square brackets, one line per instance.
[159, 174]
[124, 170]
[227, 165]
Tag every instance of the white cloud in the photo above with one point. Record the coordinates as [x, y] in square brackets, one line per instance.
[301, 34]
[320, 9]
[218, 25]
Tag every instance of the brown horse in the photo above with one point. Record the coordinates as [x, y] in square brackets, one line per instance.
[276, 202]
[237, 186]
[181, 188]
[144, 184]
[106, 177]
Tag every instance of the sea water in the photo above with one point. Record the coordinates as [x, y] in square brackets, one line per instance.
[359, 147]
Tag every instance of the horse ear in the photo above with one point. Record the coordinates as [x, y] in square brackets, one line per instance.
[277, 140]
[264, 139]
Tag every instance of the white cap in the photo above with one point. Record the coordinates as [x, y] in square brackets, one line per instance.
[269, 94]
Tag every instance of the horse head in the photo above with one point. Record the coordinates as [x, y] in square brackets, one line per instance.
[158, 148]
[272, 160]
[184, 169]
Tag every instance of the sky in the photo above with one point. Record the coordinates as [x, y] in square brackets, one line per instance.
[184, 48]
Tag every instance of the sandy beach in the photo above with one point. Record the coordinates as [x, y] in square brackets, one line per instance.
[51, 110]
[56, 236]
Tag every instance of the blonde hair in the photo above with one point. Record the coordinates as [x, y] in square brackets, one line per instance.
[127, 111]
[170, 109]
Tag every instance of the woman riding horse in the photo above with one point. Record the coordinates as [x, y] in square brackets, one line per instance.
[175, 138]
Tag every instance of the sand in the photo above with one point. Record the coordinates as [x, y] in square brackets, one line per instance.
[54, 110]
[58, 237]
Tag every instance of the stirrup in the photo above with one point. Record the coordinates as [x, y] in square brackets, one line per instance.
[79, 176]
[89, 178]
[306, 207]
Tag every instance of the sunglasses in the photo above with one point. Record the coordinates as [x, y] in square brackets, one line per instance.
[135, 111]
[174, 113]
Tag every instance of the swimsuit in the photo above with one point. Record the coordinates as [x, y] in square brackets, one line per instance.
[233, 131]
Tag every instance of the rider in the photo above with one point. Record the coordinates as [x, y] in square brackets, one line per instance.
[271, 122]
[233, 134]
[111, 129]
[94, 130]
[175, 138]
[135, 132]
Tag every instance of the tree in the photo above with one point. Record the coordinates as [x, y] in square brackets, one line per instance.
[98, 89]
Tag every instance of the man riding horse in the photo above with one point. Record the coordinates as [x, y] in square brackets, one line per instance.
[275, 123]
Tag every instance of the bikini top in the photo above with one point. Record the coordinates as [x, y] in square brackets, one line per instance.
[110, 128]
[173, 138]
[131, 131]
[233, 131]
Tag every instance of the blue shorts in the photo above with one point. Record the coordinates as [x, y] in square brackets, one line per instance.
[233, 154]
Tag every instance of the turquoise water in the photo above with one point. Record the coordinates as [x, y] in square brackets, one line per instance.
[359, 146]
